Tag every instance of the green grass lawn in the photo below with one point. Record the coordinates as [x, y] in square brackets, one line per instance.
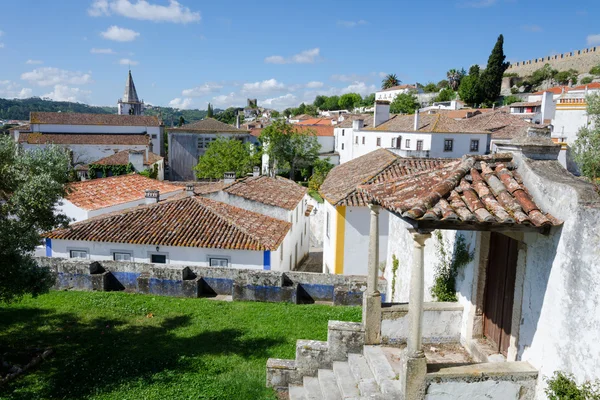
[132, 346]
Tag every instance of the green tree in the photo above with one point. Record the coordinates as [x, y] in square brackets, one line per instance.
[443, 84]
[587, 80]
[226, 155]
[586, 149]
[446, 94]
[542, 74]
[228, 116]
[320, 101]
[595, 70]
[287, 112]
[289, 149]
[470, 90]
[390, 81]
[455, 77]
[430, 88]
[181, 121]
[349, 101]
[491, 78]
[332, 103]
[209, 111]
[565, 77]
[320, 170]
[275, 114]
[508, 100]
[404, 103]
[31, 185]
[309, 109]
[369, 101]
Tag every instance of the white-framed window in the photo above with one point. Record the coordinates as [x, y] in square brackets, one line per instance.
[158, 258]
[378, 142]
[122, 256]
[78, 254]
[448, 144]
[363, 140]
[356, 140]
[343, 132]
[474, 144]
[154, 136]
[342, 146]
[218, 261]
[407, 144]
[419, 145]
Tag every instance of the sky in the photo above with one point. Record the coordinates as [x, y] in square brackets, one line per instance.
[188, 53]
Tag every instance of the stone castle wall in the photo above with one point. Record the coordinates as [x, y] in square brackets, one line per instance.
[580, 60]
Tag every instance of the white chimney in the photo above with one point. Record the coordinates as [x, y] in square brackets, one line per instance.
[382, 113]
[416, 126]
[358, 124]
[237, 121]
[189, 189]
[256, 171]
[548, 106]
[229, 177]
[152, 196]
[136, 158]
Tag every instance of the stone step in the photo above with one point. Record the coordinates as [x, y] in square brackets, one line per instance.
[396, 356]
[346, 381]
[368, 388]
[312, 355]
[312, 388]
[379, 364]
[297, 392]
[392, 388]
[359, 367]
[329, 385]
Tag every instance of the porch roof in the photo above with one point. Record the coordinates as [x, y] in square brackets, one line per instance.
[473, 193]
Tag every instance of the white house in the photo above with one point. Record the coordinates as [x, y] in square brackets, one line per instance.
[539, 112]
[95, 197]
[276, 197]
[190, 230]
[391, 93]
[571, 112]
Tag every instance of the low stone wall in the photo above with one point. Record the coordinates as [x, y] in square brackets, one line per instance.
[193, 281]
[441, 323]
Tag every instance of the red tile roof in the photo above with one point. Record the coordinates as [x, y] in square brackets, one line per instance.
[122, 158]
[526, 104]
[480, 191]
[554, 90]
[428, 123]
[68, 118]
[106, 192]
[500, 123]
[340, 186]
[316, 121]
[278, 191]
[593, 85]
[186, 222]
[84, 138]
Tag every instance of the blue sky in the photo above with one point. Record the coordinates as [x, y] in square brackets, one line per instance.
[188, 53]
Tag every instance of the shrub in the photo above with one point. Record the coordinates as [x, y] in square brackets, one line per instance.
[595, 70]
[587, 80]
[508, 100]
[563, 387]
[514, 90]
[444, 286]
[542, 74]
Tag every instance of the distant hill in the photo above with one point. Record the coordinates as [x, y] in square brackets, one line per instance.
[20, 109]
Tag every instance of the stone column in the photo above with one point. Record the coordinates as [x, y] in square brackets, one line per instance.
[416, 364]
[372, 298]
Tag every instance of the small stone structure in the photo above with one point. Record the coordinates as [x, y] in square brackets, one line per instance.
[193, 281]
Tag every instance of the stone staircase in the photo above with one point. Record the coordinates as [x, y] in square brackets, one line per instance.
[340, 368]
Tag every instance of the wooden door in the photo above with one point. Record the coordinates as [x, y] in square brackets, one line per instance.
[499, 291]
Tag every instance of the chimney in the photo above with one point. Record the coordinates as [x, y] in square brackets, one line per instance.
[237, 120]
[229, 177]
[416, 127]
[358, 124]
[537, 145]
[548, 106]
[189, 189]
[136, 158]
[382, 113]
[255, 171]
[152, 196]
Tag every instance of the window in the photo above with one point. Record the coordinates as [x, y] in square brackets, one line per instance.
[419, 145]
[218, 262]
[78, 254]
[475, 145]
[204, 142]
[356, 140]
[342, 146]
[327, 224]
[448, 144]
[363, 141]
[393, 142]
[158, 258]
[407, 144]
[121, 256]
[154, 136]
[399, 142]
[296, 214]
[378, 142]
[343, 132]
[281, 252]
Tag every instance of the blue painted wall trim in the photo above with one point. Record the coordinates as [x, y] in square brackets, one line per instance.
[267, 260]
[48, 247]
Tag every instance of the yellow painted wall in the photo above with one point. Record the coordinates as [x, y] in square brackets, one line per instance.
[340, 232]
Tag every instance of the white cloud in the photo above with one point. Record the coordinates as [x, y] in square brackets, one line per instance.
[477, 4]
[314, 85]
[593, 40]
[143, 10]
[12, 90]
[264, 87]
[357, 77]
[120, 34]
[304, 57]
[281, 102]
[351, 24]
[532, 28]
[101, 51]
[229, 100]
[202, 90]
[34, 62]
[66, 93]
[49, 76]
[127, 61]
[182, 104]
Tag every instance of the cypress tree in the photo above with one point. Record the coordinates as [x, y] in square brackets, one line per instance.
[491, 78]
[209, 111]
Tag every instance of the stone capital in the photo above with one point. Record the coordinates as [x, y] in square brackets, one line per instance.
[374, 208]
[419, 238]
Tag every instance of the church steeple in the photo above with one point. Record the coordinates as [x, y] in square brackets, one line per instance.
[130, 103]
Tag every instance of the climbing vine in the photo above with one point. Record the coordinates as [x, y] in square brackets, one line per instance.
[395, 264]
[108, 170]
[563, 386]
[444, 286]
[151, 172]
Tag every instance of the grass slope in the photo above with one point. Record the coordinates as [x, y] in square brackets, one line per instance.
[132, 346]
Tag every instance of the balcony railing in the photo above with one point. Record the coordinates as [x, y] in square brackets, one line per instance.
[410, 153]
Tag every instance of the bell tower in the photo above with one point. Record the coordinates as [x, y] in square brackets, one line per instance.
[130, 104]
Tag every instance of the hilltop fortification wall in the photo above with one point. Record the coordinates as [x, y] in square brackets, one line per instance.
[580, 60]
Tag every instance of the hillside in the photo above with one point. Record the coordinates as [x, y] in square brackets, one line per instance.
[20, 109]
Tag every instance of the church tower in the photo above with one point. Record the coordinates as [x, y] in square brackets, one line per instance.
[130, 104]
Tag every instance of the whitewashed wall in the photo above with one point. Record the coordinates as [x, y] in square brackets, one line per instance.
[356, 241]
[330, 213]
[87, 153]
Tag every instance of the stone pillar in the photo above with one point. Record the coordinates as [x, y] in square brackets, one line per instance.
[416, 364]
[372, 298]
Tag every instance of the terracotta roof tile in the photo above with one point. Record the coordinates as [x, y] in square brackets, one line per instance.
[208, 125]
[349, 118]
[501, 124]
[278, 191]
[526, 104]
[593, 85]
[474, 191]
[106, 192]
[122, 158]
[428, 123]
[84, 138]
[554, 90]
[316, 121]
[68, 118]
[191, 221]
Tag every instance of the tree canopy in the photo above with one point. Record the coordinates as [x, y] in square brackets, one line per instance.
[227, 155]
[404, 103]
[289, 149]
[229, 116]
[470, 88]
[390, 81]
[349, 101]
[32, 183]
[455, 77]
[586, 148]
[446, 94]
